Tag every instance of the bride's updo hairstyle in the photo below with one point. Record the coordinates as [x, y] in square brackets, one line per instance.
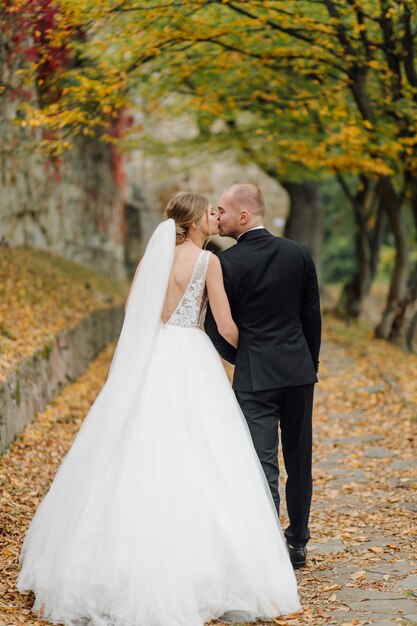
[186, 208]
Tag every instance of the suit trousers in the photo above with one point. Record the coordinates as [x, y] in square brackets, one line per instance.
[291, 408]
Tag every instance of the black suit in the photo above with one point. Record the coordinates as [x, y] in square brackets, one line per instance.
[272, 288]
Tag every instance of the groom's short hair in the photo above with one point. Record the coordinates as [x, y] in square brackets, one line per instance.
[247, 196]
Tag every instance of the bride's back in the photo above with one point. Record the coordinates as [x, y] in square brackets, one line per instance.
[185, 258]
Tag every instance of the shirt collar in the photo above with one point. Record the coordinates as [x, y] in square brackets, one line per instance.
[248, 231]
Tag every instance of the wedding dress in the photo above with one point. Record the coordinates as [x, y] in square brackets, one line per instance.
[160, 513]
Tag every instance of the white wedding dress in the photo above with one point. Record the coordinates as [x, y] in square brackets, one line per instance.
[160, 514]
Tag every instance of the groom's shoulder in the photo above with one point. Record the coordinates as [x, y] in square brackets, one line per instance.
[279, 250]
[295, 252]
[294, 246]
[274, 241]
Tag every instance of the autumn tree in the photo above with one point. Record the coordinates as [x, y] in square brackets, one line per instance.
[305, 87]
[354, 67]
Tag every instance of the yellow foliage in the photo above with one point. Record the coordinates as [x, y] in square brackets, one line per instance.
[228, 63]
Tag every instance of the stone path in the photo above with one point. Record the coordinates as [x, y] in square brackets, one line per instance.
[362, 566]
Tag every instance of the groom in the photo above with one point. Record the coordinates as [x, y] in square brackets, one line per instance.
[272, 288]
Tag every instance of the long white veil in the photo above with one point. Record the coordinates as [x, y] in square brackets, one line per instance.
[105, 429]
[145, 305]
[114, 408]
[115, 405]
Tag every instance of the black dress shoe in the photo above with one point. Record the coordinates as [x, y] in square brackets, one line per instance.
[297, 556]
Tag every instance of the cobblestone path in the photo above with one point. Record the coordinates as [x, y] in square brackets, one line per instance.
[362, 566]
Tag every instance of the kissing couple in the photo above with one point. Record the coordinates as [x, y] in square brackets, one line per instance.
[165, 510]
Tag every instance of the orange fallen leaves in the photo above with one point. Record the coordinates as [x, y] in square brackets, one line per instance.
[26, 471]
[40, 294]
[351, 518]
[332, 588]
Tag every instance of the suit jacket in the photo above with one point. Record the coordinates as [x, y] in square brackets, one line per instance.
[272, 288]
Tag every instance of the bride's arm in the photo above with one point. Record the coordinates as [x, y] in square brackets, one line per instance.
[131, 286]
[219, 303]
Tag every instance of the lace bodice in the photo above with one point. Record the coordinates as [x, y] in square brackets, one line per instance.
[192, 303]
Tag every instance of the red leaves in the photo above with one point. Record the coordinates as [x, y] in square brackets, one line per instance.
[31, 28]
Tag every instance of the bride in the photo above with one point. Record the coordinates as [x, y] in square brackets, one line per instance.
[160, 513]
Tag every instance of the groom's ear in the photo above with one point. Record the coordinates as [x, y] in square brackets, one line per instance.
[244, 217]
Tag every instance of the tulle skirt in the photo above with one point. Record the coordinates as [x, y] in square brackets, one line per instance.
[160, 514]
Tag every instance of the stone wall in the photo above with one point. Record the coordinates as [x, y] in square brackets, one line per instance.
[74, 206]
[74, 209]
[39, 377]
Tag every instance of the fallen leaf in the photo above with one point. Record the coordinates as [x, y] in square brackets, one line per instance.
[332, 588]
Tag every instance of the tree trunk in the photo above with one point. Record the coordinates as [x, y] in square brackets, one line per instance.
[368, 239]
[306, 218]
[355, 290]
[377, 238]
[398, 287]
[404, 326]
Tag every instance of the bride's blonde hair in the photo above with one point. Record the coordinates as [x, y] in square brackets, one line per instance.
[185, 208]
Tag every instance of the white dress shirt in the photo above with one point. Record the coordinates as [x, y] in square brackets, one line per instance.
[249, 229]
